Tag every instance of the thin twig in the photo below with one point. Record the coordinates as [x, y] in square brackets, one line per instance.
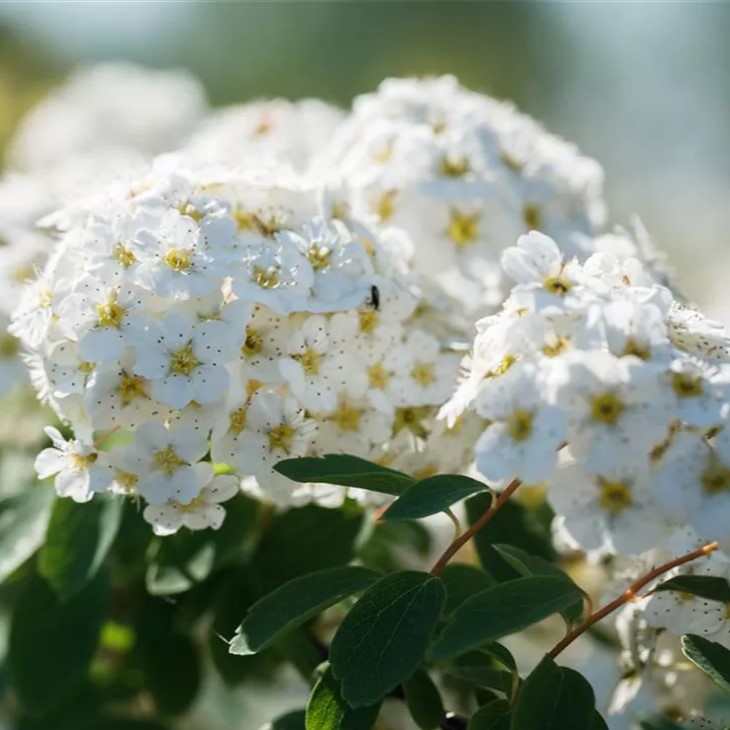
[629, 594]
[482, 522]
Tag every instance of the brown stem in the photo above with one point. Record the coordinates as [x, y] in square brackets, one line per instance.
[628, 595]
[482, 522]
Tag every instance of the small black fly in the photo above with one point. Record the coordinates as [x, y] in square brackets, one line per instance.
[373, 300]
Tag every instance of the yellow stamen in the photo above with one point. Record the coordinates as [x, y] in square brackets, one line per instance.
[423, 374]
[183, 361]
[519, 425]
[615, 496]
[607, 408]
[281, 437]
[178, 259]
[463, 228]
[168, 461]
[378, 376]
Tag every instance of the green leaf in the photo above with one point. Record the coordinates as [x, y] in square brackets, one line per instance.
[78, 540]
[326, 710]
[526, 564]
[52, 642]
[290, 721]
[169, 660]
[382, 639]
[303, 540]
[494, 716]
[296, 602]
[23, 520]
[513, 525]
[424, 701]
[711, 587]
[179, 562]
[483, 676]
[598, 723]
[554, 698]
[712, 658]
[391, 546]
[501, 610]
[501, 654]
[462, 581]
[432, 495]
[346, 471]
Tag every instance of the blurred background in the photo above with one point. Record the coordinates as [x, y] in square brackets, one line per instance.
[643, 87]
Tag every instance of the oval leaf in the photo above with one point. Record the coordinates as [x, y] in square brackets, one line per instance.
[712, 658]
[291, 721]
[501, 610]
[554, 698]
[77, 542]
[711, 587]
[326, 710]
[424, 701]
[23, 520]
[462, 581]
[296, 602]
[494, 716]
[432, 495]
[382, 639]
[346, 471]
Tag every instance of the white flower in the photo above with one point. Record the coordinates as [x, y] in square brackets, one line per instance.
[524, 432]
[182, 359]
[80, 470]
[204, 511]
[164, 460]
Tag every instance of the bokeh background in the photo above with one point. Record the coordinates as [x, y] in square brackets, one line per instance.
[642, 87]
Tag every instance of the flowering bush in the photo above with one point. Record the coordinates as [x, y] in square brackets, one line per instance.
[258, 355]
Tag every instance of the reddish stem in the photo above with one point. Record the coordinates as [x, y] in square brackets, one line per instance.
[482, 522]
[628, 595]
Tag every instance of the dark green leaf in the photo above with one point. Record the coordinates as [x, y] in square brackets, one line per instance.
[78, 540]
[501, 610]
[346, 471]
[513, 525]
[296, 602]
[303, 540]
[327, 710]
[391, 546]
[484, 676]
[52, 642]
[598, 722]
[462, 581]
[711, 587]
[432, 495]
[526, 564]
[382, 639]
[181, 561]
[494, 716]
[290, 721]
[23, 520]
[554, 698]
[712, 658]
[502, 654]
[169, 660]
[424, 701]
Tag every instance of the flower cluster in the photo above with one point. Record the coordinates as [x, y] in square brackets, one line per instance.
[596, 382]
[207, 313]
[464, 175]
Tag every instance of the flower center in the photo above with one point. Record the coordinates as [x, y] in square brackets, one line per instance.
[124, 256]
[110, 314]
[452, 166]
[378, 376]
[368, 321]
[615, 496]
[83, 461]
[556, 346]
[183, 361]
[715, 478]
[557, 285]
[127, 480]
[168, 461]
[309, 360]
[463, 228]
[607, 408]
[254, 343]
[637, 349]
[237, 421]
[686, 385]
[423, 374]
[532, 216]
[131, 387]
[410, 419]
[385, 205]
[178, 259]
[319, 256]
[266, 278]
[281, 437]
[243, 219]
[347, 417]
[519, 425]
